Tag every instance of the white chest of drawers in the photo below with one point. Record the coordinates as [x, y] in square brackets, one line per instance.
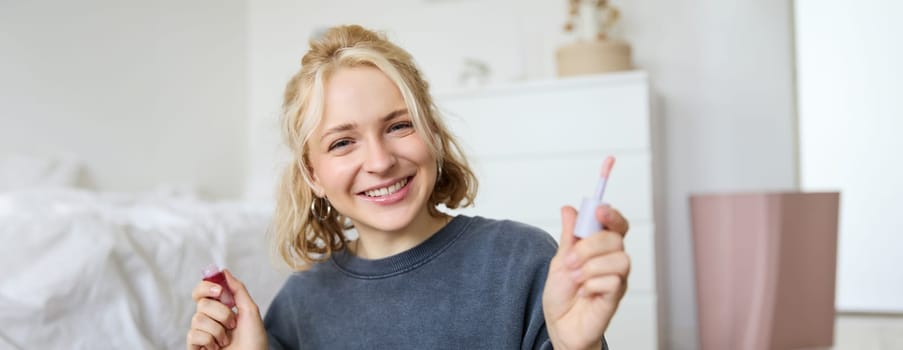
[537, 146]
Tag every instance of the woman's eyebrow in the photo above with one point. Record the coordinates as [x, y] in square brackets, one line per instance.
[336, 129]
[349, 126]
[395, 114]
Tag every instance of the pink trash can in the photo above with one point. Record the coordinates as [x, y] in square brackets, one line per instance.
[765, 268]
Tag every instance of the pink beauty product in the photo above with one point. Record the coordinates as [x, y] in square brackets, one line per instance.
[212, 273]
[587, 224]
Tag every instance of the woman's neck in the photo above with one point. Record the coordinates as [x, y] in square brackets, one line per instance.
[373, 244]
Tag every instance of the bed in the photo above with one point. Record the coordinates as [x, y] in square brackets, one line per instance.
[81, 269]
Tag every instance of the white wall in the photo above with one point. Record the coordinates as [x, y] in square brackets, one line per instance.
[127, 87]
[850, 83]
[722, 72]
[440, 34]
[142, 92]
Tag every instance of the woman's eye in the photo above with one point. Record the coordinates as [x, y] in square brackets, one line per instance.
[339, 144]
[400, 126]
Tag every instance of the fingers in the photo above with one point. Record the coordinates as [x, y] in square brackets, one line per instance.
[212, 319]
[598, 264]
[612, 219]
[206, 289]
[207, 325]
[568, 220]
[608, 285]
[198, 339]
[243, 299]
[217, 311]
[598, 244]
[617, 264]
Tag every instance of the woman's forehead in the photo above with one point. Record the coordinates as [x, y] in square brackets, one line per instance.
[359, 95]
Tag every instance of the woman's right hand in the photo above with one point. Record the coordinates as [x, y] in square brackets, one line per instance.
[214, 326]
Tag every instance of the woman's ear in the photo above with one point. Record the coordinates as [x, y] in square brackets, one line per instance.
[316, 187]
[315, 184]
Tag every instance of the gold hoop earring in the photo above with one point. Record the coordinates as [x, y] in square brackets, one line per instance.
[313, 209]
[439, 173]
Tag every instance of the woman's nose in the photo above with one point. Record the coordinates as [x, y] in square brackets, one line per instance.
[380, 157]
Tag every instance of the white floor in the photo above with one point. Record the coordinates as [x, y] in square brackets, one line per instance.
[868, 332]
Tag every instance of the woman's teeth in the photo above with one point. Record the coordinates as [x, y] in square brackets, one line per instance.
[385, 191]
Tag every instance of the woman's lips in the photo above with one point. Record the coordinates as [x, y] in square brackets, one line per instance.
[391, 198]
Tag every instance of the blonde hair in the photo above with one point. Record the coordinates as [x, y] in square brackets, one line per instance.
[300, 236]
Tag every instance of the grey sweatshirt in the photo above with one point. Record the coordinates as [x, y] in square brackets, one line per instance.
[475, 284]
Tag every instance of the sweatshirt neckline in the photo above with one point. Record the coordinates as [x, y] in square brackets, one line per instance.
[405, 261]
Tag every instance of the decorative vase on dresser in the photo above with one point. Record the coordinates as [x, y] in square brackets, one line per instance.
[593, 57]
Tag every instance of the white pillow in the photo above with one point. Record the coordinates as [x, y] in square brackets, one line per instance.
[18, 171]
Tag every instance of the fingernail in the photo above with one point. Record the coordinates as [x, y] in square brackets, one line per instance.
[215, 289]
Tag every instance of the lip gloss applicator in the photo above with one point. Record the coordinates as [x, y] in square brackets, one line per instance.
[212, 273]
[586, 218]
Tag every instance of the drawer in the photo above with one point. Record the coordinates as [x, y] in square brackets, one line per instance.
[534, 188]
[635, 324]
[556, 119]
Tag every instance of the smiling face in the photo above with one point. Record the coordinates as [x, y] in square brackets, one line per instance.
[366, 157]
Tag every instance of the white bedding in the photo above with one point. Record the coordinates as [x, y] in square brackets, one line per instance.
[84, 270]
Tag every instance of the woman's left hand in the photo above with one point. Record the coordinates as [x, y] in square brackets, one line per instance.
[587, 279]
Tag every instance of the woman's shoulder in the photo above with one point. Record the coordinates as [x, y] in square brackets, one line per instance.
[514, 235]
[505, 226]
[316, 273]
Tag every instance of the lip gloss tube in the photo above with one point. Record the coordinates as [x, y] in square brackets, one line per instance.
[587, 224]
[212, 273]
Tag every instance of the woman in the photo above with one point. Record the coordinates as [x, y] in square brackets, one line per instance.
[372, 153]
